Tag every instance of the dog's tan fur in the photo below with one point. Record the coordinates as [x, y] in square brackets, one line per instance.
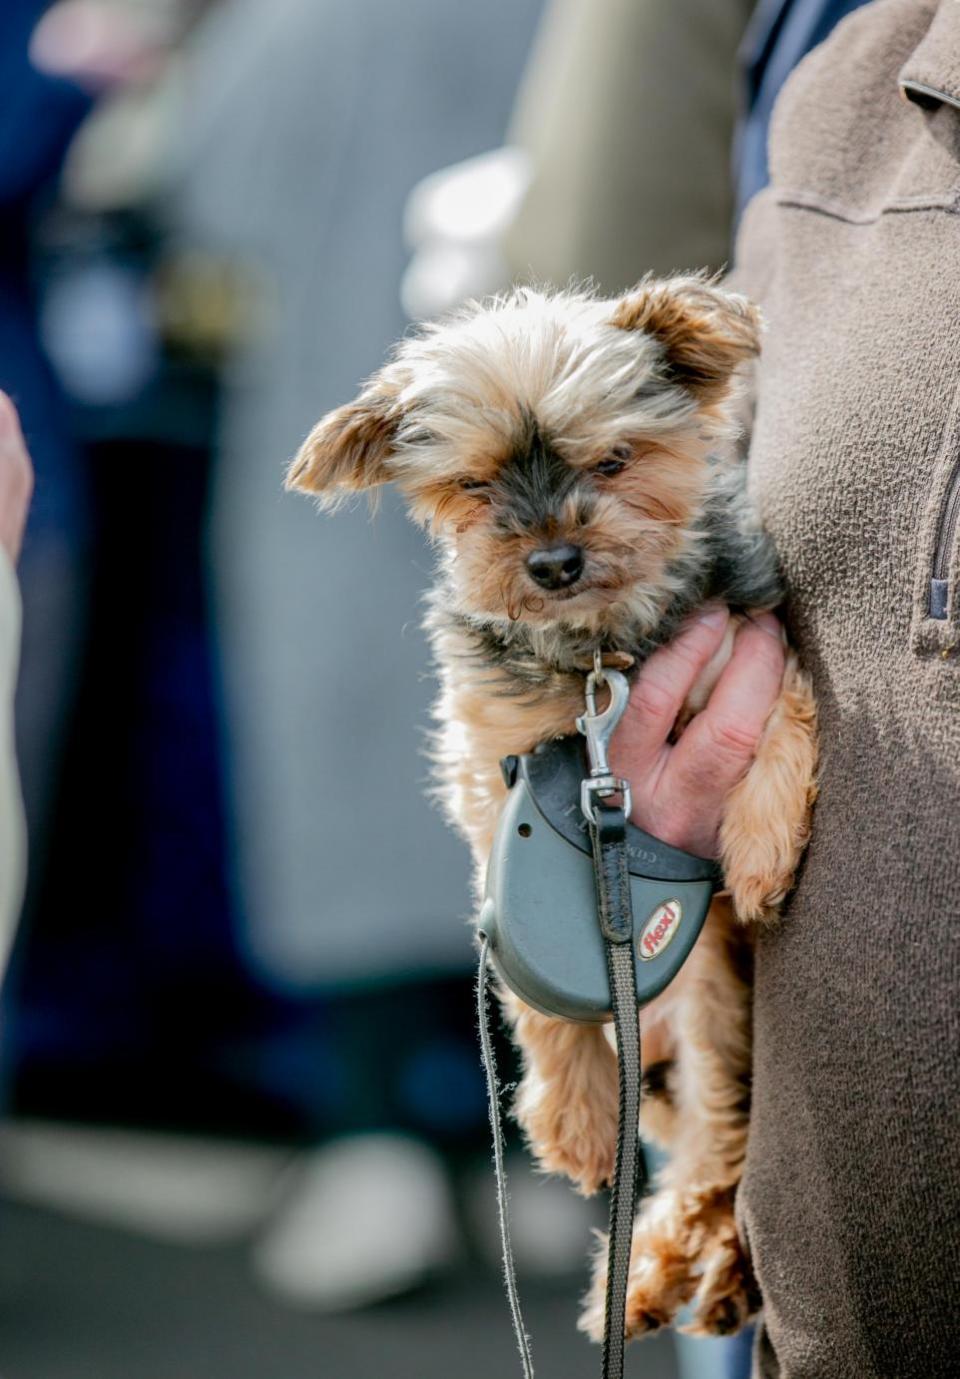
[650, 380]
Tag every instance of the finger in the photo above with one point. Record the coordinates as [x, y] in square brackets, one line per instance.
[661, 689]
[718, 746]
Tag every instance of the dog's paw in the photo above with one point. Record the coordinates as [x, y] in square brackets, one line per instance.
[766, 821]
[756, 900]
[570, 1136]
[646, 1311]
[662, 1274]
[759, 871]
[594, 1310]
[660, 1284]
[759, 868]
[727, 1295]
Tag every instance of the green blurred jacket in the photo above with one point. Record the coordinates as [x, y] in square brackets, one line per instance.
[627, 110]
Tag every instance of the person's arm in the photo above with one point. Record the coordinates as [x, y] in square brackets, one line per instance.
[16, 484]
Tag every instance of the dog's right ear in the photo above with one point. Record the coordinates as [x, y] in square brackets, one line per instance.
[706, 332]
[348, 449]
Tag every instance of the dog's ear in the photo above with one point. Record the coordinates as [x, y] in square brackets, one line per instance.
[348, 449]
[705, 331]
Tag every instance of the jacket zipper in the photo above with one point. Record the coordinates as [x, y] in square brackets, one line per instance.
[928, 96]
[946, 536]
[931, 96]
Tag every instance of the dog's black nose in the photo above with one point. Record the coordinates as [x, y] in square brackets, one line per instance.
[556, 567]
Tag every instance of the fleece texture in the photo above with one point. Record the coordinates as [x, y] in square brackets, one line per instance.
[850, 1205]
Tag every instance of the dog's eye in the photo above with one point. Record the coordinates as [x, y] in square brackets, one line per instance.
[473, 485]
[614, 462]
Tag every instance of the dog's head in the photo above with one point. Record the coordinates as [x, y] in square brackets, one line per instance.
[555, 445]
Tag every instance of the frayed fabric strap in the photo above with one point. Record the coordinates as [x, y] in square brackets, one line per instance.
[615, 916]
[496, 1132]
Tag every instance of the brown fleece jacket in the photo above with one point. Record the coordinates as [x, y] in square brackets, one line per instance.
[850, 1204]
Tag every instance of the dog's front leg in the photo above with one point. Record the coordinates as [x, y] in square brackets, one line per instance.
[766, 820]
[685, 1244]
[568, 1102]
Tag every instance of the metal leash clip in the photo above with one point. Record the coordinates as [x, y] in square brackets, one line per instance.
[598, 729]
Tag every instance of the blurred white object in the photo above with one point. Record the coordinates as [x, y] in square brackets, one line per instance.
[170, 1187]
[550, 1226]
[97, 327]
[370, 1217]
[453, 223]
[121, 155]
[470, 201]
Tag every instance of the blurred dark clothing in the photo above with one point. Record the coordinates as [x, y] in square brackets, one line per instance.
[38, 117]
[128, 946]
[779, 34]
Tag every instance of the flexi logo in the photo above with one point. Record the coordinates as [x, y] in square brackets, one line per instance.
[659, 929]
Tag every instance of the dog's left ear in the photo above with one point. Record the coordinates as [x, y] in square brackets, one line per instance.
[705, 331]
[349, 449]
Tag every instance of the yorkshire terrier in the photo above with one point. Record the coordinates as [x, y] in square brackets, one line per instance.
[574, 460]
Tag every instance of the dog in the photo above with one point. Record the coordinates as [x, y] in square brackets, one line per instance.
[574, 460]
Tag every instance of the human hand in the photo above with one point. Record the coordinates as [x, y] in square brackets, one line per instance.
[16, 479]
[679, 790]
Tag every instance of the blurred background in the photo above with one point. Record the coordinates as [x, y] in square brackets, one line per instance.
[244, 1126]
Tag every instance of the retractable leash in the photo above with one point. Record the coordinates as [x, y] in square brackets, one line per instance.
[585, 915]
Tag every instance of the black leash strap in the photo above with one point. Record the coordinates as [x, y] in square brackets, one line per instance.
[615, 913]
